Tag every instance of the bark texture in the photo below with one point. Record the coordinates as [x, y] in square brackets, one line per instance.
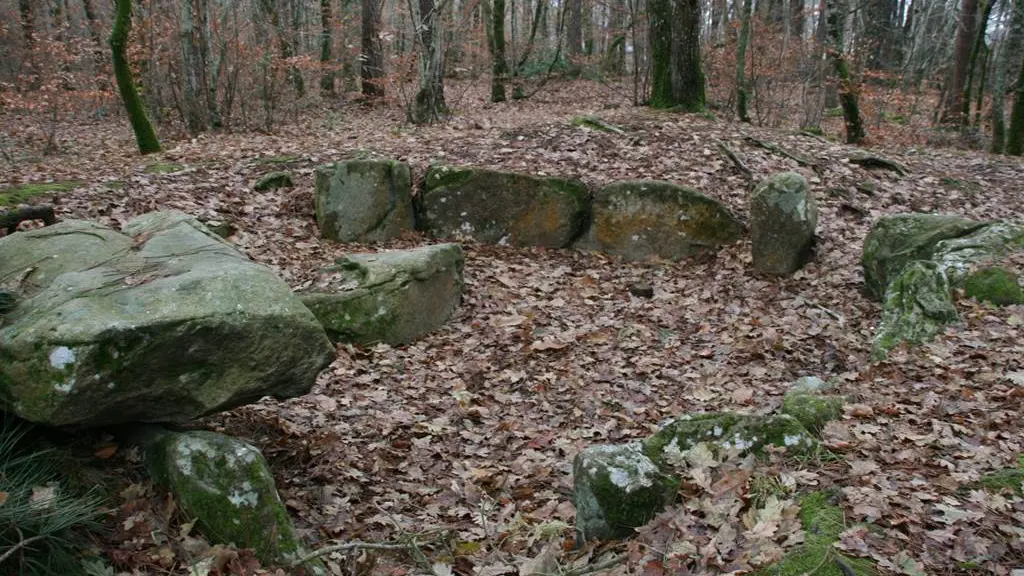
[145, 136]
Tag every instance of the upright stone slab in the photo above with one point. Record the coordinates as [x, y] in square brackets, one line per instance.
[503, 207]
[638, 220]
[783, 217]
[227, 487]
[364, 200]
[166, 324]
[393, 297]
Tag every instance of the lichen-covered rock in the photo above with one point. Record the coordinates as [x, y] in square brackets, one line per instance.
[227, 487]
[783, 217]
[643, 219]
[995, 285]
[813, 410]
[986, 245]
[809, 384]
[503, 207]
[896, 240]
[617, 489]
[822, 522]
[364, 200]
[273, 181]
[165, 324]
[731, 432]
[918, 304]
[393, 297]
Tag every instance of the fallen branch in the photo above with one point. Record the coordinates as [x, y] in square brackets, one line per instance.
[348, 547]
[869, 161]
[732, 156]
[782, 152]
[610, 563]
[10, 220]
[21, 544]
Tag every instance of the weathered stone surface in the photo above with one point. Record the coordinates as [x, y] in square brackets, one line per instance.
[503, 207]
[986, 245]
[393, 297]
[898, 239]
[642, 219]
[731, 432]
[364, 200]
[813, 410]
[783, 217]
[995, 285]
[273, 181]
[809, 384]
[165, 325]
[227, 487]
[616, 489]
[918, 304]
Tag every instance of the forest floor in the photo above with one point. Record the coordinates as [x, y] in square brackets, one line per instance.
[471, 431]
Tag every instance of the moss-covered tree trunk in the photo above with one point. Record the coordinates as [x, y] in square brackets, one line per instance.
[326, 41]
[496, 41]
[741, 62]
[677, 80]
[145, 136]
[847, 90]
[371, 67]
[1015, 135]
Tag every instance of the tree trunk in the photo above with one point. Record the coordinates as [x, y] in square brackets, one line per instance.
[193, 72]
[145, 136]
[676, 77]
[93, 24]
[1015, 136]
[976, 49]
[797, 18]
[615, 58]
[1010, 50]
[574, 34]
[741, 62]
[953, 111]
[880, 30]
[28, 23]
[429, 105]
[371, 68]
[495, 16]
[326, 41]
[847, 91]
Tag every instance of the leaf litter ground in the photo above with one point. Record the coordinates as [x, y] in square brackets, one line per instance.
[471, 431]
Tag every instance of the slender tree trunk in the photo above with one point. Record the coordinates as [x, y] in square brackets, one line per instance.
[615, 58]
[28, 23]
[91, 22]
[847, 91]
[1015, 136]
[326, 41]
[429, 105]
[193, 72]
[495, 15]
[145, 136]
[741, 62]
[977, 48]
[1005, 65]
[574, 34]
[371, 68]
[797, 18]
[967, 23]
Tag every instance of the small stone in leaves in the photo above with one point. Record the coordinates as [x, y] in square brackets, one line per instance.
[642, 290]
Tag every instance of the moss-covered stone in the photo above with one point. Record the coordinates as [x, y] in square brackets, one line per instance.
[898, 239]
[163, 168]
[25, 193]
[957, 257]
[811, 409]
[783, 217]
[226, 485]
[393, 297]
[595, 123]
[617, 489]
[822, 522]
[918, 305]
[364, 200]
[273, 181]
[995, 285]
[503, 207]
[643, 219]
[729, 431]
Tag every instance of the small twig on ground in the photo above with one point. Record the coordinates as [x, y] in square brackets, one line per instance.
[348, 547]
[777, 150]
[609, 563]
[21, 544]
[740, 165]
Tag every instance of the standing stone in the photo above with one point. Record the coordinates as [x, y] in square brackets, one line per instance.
[364, 200]
[918, 305]
[617, 489]
[165, 324]
[783, 216]
[503, 207]
[393, 297]
[643, 219]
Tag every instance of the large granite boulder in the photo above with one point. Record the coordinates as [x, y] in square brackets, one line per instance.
[617, 489]
[918, 261]
[393, 297]
[638, 220]
[783, 216]
[227, 487]
[164, 324]
[896, 240]
[503, 207]
[364, 200]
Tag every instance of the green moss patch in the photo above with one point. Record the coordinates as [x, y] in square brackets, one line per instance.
[273, 181]
[812, 410]
[23, 193]
[995, 285]
[822, 522]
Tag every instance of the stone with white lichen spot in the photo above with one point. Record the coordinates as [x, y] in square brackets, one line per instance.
[783, 217]
[617, 488]
[731, 432]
